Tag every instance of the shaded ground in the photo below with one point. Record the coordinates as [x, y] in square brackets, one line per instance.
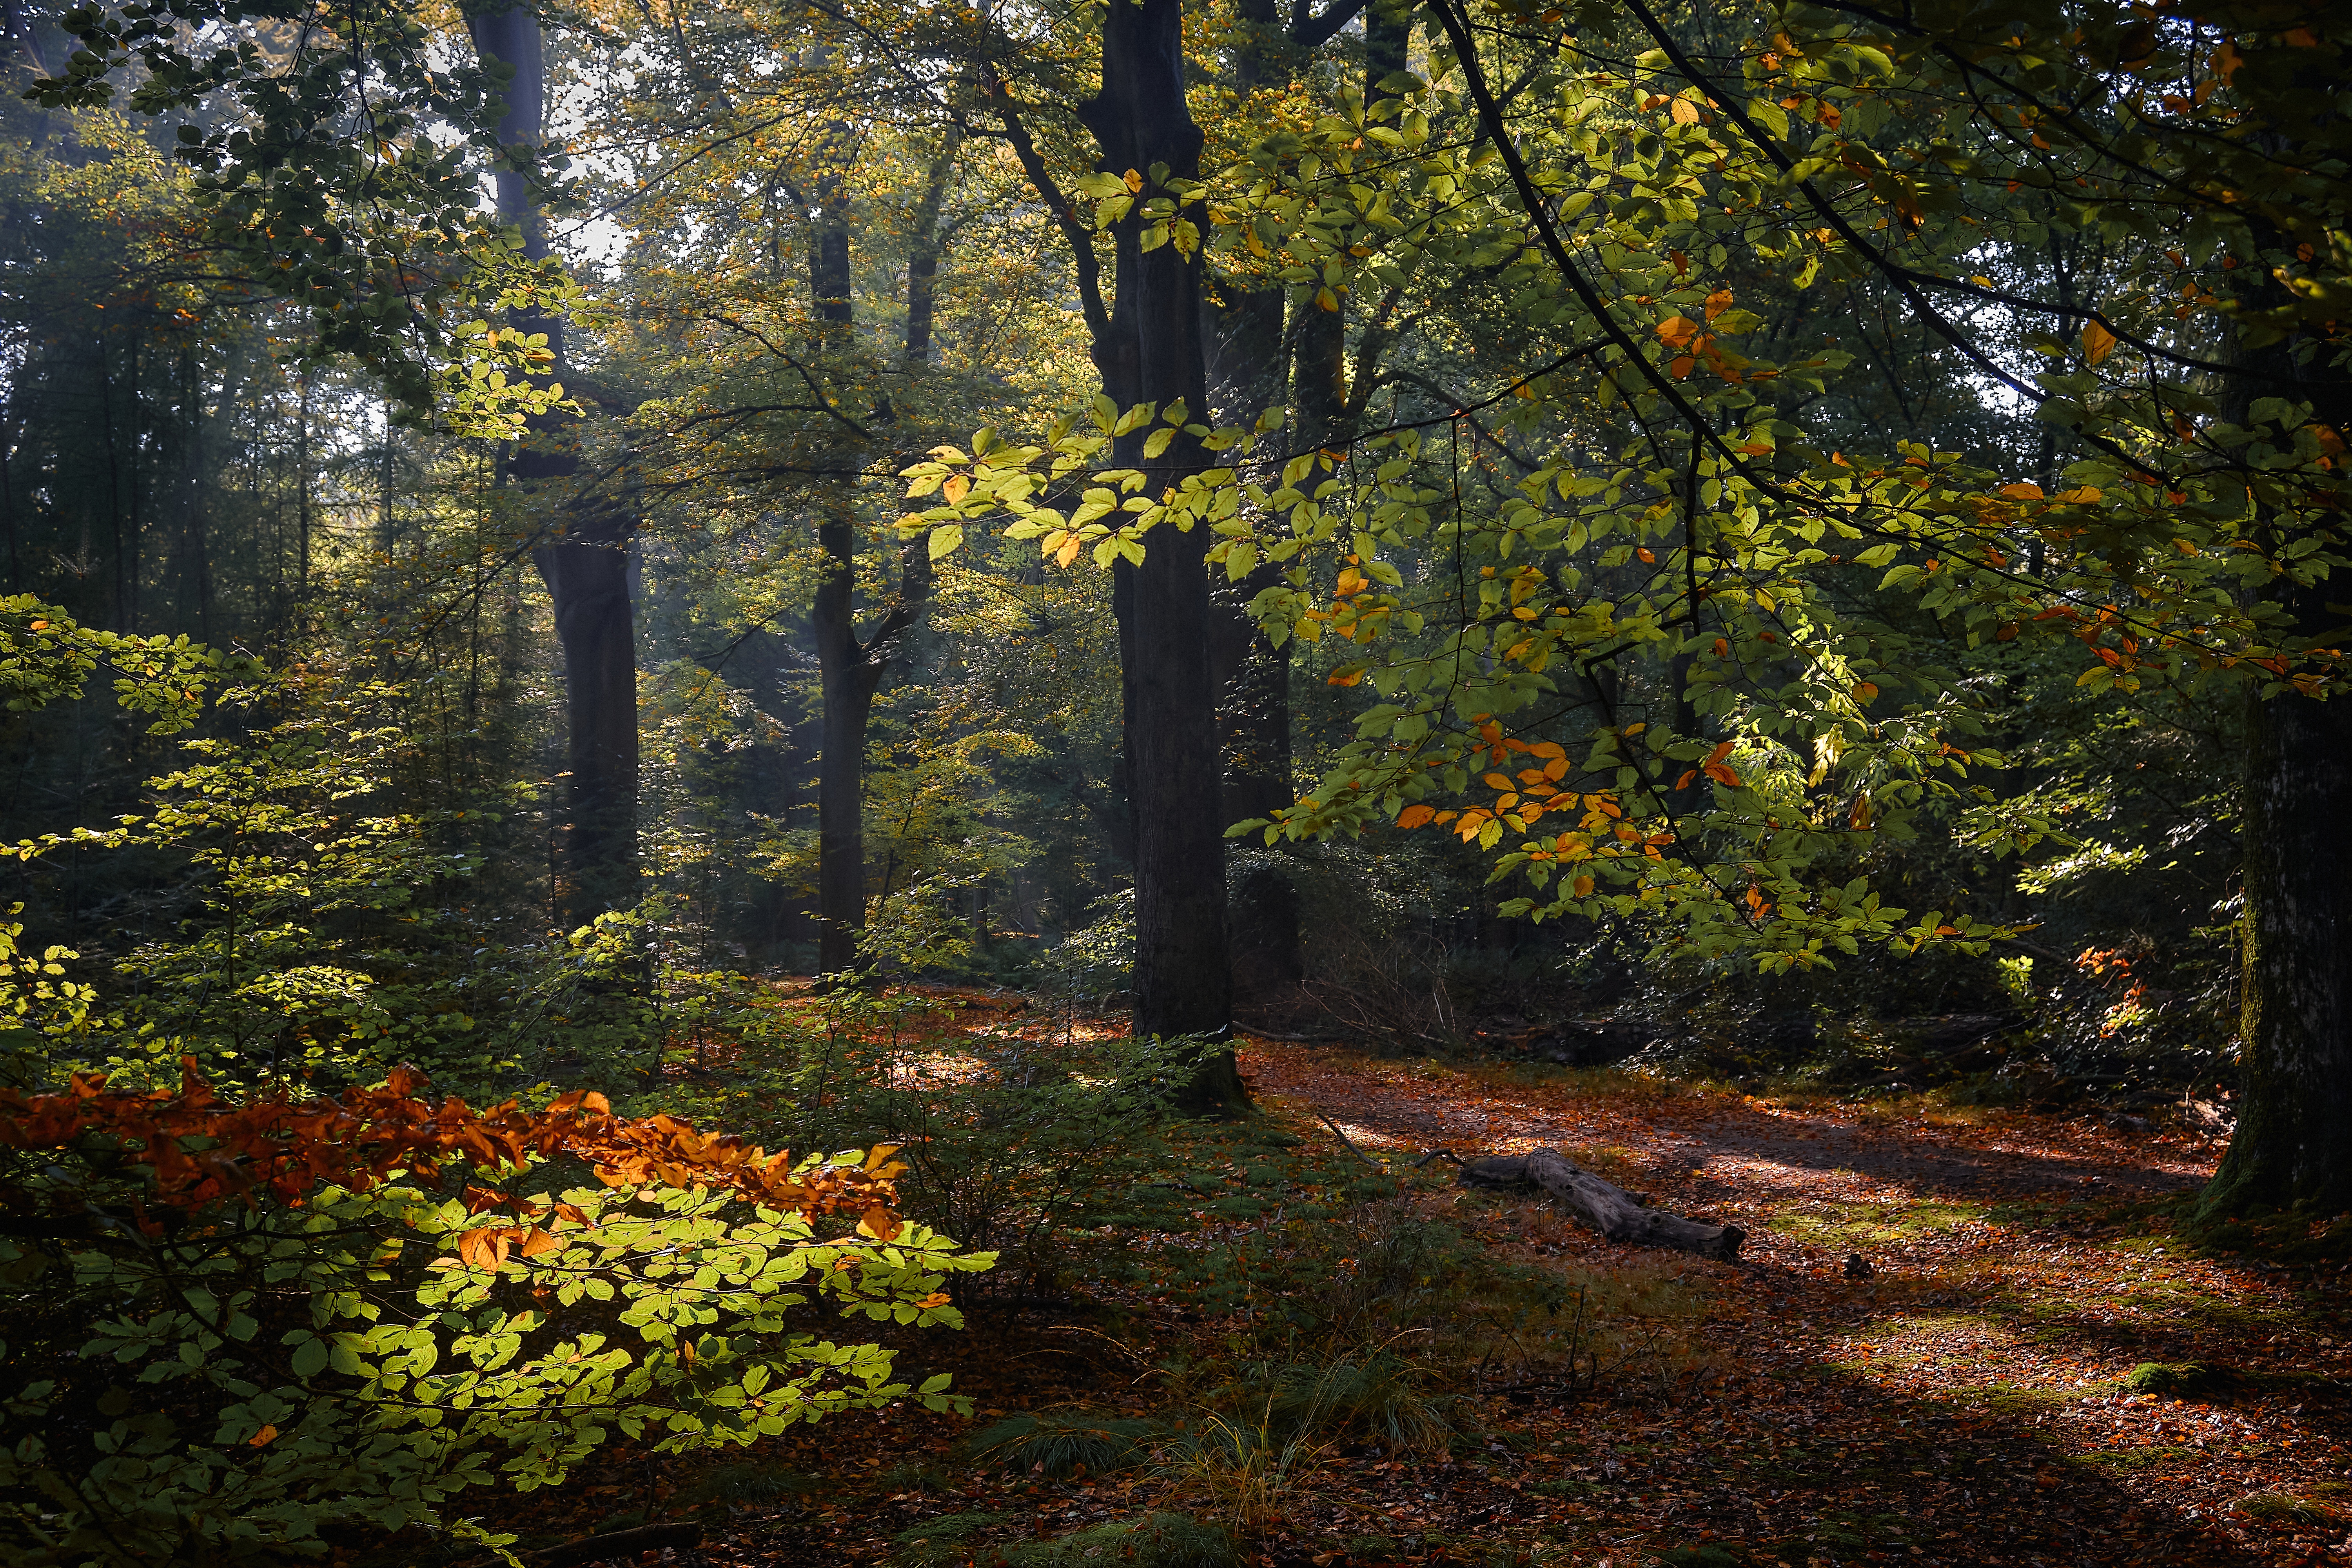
[1963, 1405]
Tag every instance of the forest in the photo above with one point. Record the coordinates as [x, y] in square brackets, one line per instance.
[1196, 783]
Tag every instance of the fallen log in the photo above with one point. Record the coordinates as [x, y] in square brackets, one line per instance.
[1604, 1206]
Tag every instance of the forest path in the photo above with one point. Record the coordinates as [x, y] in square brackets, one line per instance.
[1963, 1405]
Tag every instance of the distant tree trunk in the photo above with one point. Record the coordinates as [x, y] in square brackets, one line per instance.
[8, 493]
[2293, 1142]
[587, 571]
[1251, 675]
[850, 670]
[16, 24]
[923, 259]
[1152, 351]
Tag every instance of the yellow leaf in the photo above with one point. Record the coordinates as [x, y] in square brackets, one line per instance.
[1135, 182]
[1326, 300]
[956, 488]
[2022, 492]
[2097, 342]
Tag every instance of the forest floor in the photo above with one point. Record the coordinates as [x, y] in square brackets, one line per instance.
[1966, 1402]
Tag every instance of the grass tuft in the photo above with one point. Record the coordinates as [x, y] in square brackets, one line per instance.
[1064, 1443]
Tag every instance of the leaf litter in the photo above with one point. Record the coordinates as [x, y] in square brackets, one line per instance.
[1994, 1389]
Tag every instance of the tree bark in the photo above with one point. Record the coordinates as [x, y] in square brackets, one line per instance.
[1152, 351]
[587, 570]
[1604, 1206]
[2293, 1142]
[1251, 675]
[850, 670]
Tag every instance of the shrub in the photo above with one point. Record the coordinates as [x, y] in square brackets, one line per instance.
[1009, 1142]
[232, 1328]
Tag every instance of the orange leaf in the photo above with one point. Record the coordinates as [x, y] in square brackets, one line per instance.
[262, 1438]
[2097, 342]
[537, 1243]
[1415, 816]
[1683, 113]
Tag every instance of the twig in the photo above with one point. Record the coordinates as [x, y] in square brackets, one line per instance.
[1350, 1143]
[623, 1543]
[1435, 1155]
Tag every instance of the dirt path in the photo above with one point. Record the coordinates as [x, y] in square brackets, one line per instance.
[1965, 1403]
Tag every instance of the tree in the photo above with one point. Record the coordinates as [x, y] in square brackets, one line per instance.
[1743, 586]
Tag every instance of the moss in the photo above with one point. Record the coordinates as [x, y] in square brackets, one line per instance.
[949, 1538]
[2287, 1508]
[1373, 1549]
[2178, 1380]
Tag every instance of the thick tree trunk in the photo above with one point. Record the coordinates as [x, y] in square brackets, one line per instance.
[2294, 1136]
[1154, 351]
[1604, 1206]
[2293, 1142]
[587, 573]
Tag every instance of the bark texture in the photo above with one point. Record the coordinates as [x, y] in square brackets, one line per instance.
[1605, 1208]
[2293, 1142]
[850, 669]
[2293, 1138]
[1152, 350]
[587, 570]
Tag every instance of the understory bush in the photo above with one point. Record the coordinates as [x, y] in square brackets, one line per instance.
[240, 1330]
[1013, 1143]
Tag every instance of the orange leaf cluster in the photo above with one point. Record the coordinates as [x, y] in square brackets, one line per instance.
[200, 1149]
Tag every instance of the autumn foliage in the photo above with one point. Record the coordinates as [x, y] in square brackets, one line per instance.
[197, 1148]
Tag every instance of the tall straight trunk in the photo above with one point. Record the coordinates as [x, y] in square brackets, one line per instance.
[8, 495]
[105, 399]
[2293, 1142]
[1251, 675]
[302, 499]
[849, 670]
[587, 570]
[1152, 351]
[923, 258]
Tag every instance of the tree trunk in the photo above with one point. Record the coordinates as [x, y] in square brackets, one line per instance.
[1251, 675]
[2293, 1138]
[849, 670]
[2293, 1142]
[587, 573]
[1604, 1206]
[1152, 351]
